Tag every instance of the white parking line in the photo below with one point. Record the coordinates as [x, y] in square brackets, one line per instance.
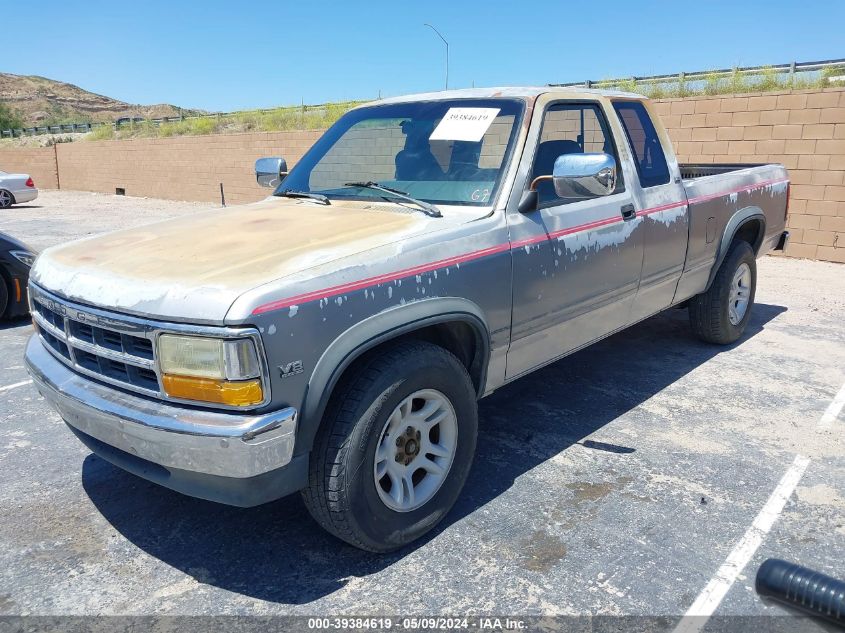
[711, 597]
[17, 384]
[833, 410]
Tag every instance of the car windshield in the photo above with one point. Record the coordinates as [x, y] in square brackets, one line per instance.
[442, 152]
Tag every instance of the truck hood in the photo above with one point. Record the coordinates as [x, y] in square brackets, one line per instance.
[193, 268]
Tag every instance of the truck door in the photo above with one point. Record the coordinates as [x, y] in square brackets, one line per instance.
[662, 205]
[576, 263]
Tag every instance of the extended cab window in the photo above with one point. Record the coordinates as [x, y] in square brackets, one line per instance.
[648, 152]
[570, 128]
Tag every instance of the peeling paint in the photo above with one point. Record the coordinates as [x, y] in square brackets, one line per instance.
[160, 269]
[669, 216]
[596, 240]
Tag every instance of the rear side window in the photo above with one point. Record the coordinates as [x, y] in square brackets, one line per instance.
[648, 152]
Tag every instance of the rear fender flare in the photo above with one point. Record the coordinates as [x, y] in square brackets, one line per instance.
[735, 223]
[373, 331]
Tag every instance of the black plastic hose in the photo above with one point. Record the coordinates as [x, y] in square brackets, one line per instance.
[802, 588]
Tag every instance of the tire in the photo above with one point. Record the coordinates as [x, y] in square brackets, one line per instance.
[6, 199]
[716, 316]
[343, 494]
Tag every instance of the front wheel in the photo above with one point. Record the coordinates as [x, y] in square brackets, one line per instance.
[395, 447]
[721, 314]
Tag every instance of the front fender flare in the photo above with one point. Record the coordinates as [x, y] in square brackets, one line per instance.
[373, 331]
[736, 221]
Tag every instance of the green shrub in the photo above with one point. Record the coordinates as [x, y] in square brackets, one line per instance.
[712, 84]
[737, 83]
[9, 119]
[101, 133]
[769, 80]
[205, 125]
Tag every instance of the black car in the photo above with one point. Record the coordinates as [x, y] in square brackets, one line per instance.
[15, 261]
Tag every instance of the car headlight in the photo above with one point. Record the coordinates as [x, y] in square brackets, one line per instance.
[24, 257]
[220, 371]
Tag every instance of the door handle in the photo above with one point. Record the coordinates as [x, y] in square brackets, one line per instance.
[629, 212]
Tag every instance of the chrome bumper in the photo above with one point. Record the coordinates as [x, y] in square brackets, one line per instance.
[206, 442]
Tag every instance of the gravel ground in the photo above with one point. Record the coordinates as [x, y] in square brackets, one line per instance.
[60, 216]
[614, 482]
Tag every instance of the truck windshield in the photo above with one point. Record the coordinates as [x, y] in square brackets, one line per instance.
[443, 152]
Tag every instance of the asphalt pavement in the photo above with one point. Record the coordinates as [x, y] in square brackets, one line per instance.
[617, 481]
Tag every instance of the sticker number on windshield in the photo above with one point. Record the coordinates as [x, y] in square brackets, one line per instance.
[464, 124]
[480, 195]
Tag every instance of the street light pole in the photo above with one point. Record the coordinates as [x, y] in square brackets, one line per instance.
[447, 51]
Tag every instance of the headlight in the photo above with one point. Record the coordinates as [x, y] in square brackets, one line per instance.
[24, 257]
[223, 371]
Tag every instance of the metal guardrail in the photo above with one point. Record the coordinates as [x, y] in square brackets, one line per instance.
[689, 79]
[128, 121]
[787, 70]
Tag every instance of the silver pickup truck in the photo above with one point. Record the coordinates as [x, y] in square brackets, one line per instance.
[334, 338]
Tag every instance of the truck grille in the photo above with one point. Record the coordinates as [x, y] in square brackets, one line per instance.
[109, 349]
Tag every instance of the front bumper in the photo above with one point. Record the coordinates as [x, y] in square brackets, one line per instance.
[225, 457]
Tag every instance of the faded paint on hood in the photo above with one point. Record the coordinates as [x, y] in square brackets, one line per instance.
[194, 267]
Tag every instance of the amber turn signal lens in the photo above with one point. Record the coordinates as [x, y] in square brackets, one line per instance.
[241, 393]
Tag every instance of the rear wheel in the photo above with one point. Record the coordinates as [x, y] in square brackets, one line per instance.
[6, 199]
[721, 314]
[395, 447]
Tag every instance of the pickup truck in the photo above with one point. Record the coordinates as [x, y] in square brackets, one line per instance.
[335, 337]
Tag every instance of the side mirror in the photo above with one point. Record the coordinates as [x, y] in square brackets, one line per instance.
[584, 175]
[269, 172]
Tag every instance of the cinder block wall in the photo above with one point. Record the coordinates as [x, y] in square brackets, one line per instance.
[803, 129]
[180, 168]
[38, 162]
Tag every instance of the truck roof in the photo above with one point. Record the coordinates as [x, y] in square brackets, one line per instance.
[508, 91]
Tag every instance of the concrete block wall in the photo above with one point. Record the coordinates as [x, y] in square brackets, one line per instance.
[180, 168]
[802, 129]
[38, 162]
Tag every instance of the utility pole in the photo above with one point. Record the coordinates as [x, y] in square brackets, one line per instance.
[447, 50]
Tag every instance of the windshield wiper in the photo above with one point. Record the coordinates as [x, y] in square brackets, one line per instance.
[290, 193]
[427, 207]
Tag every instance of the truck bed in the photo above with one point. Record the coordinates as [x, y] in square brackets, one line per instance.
[720, 196]
[692, 170]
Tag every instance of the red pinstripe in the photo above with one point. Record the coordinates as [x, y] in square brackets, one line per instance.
[340, 289]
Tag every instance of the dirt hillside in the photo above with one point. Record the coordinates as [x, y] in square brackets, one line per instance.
[40, 100]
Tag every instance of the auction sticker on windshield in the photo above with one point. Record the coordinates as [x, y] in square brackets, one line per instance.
[464, 124]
